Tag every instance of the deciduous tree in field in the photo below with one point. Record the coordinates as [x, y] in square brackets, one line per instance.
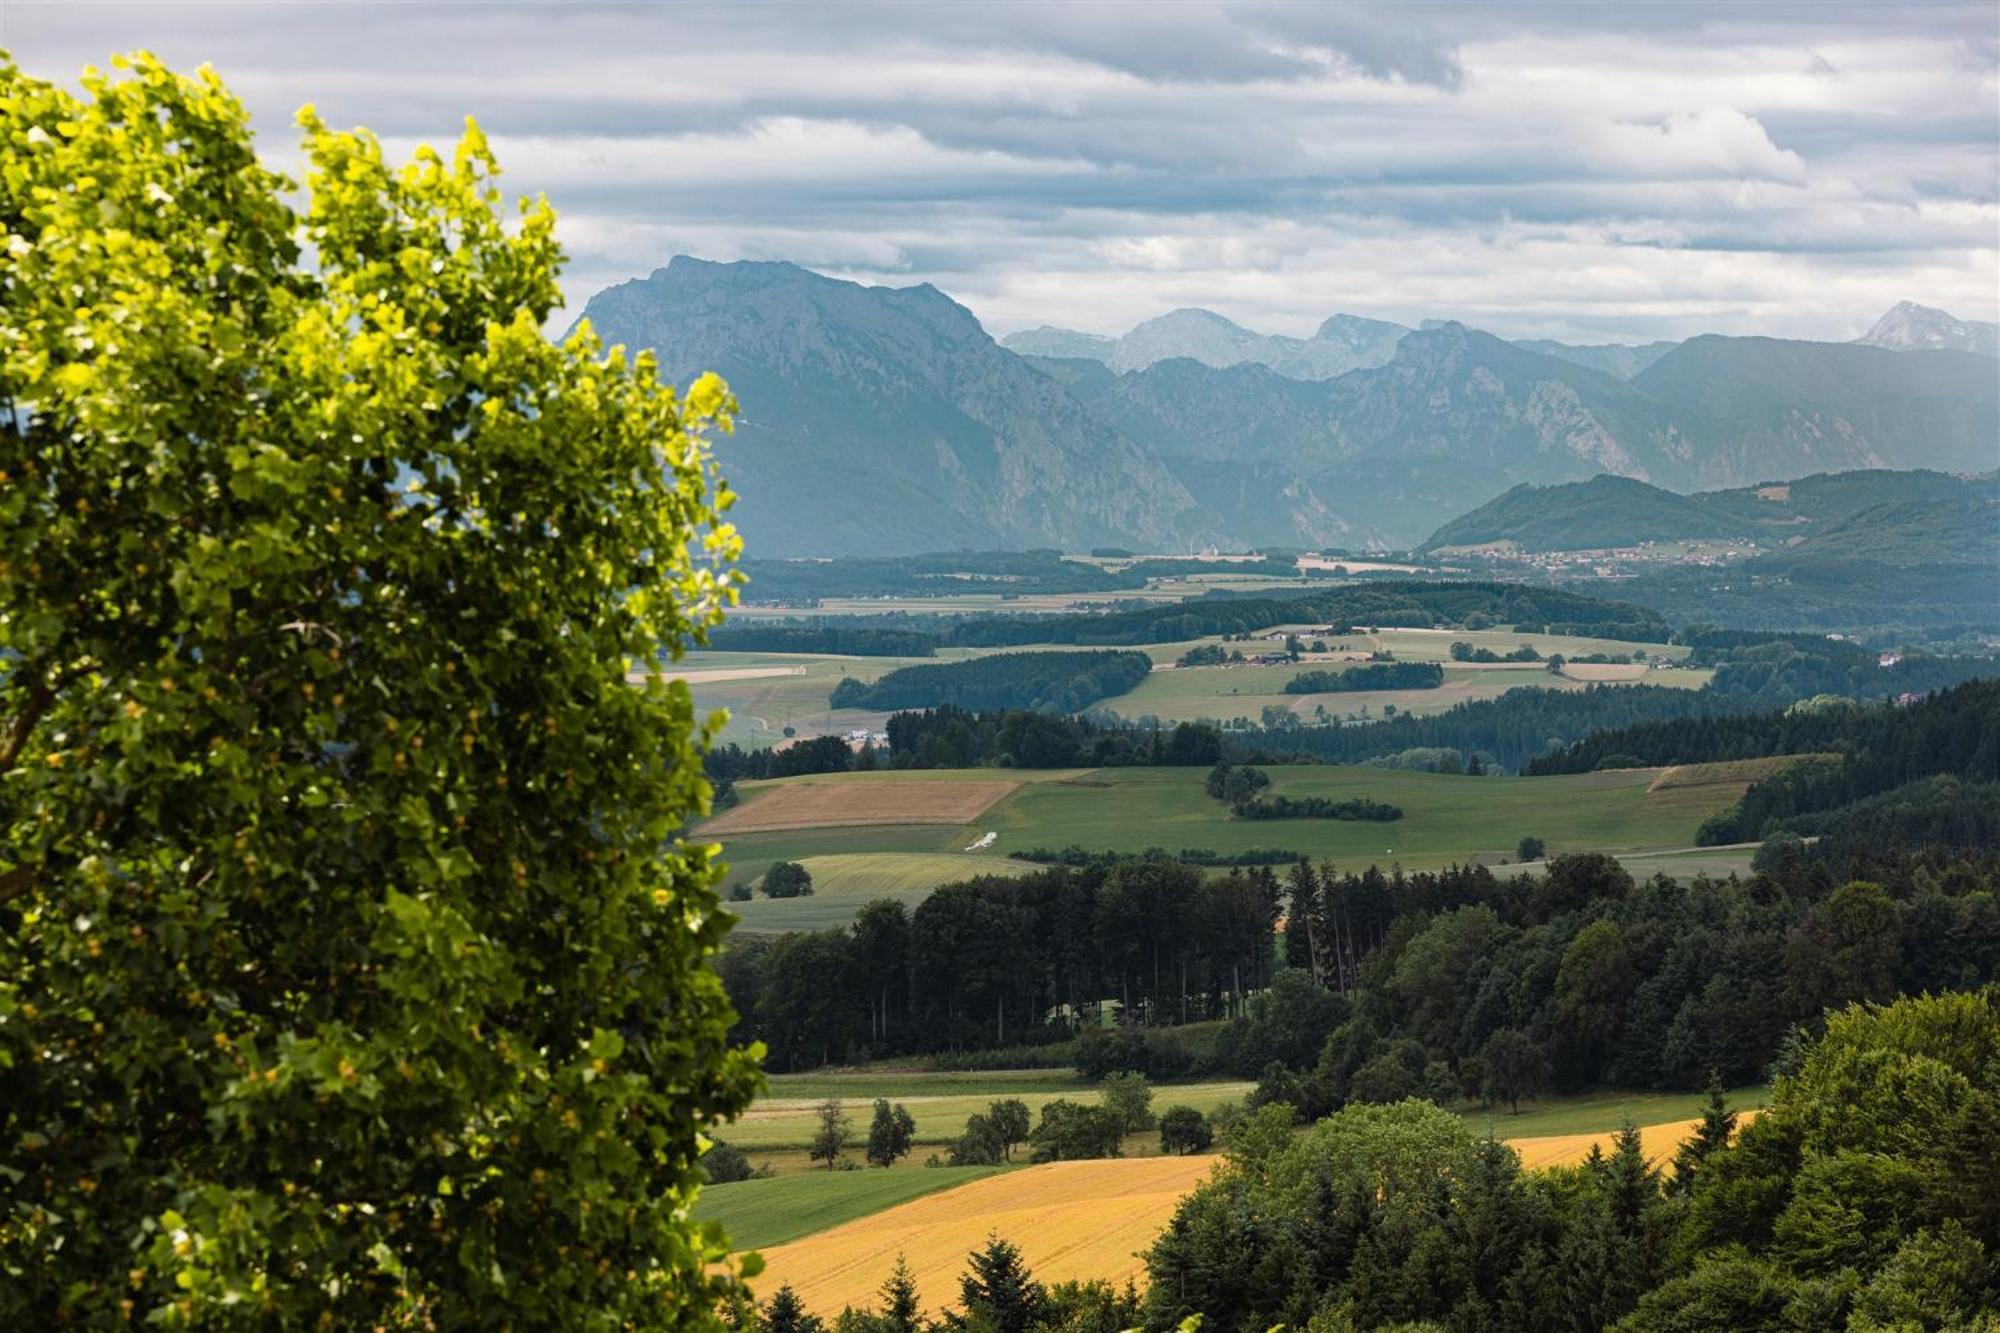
[891, 1134]
[834, 1133]
[1009, 1118]
[788, 879]
[350, 968]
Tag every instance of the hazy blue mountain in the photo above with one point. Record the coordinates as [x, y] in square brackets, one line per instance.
[1342, 343]
[1909, 327]
[1621, 359]
[1605, 511]
[1761, 407]
[1051, 341]
[884, 420]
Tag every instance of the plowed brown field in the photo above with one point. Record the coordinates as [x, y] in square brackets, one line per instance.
[799, 805]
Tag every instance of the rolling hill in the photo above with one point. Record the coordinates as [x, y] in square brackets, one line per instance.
[1605, 511]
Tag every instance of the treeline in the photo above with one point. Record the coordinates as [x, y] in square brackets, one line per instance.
[1515, 728]
[826, 636]
[1062, 682]
[1374, 676]
[805, 582]
[999, 960]
[956, 738]
[1074, 855]
[1403, 603]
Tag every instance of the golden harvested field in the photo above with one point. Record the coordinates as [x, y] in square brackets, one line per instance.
[839, 804]
[1071, 1220]
[1659, 1141]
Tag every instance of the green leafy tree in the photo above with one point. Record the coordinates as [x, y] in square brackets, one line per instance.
[1071, 1132]
[891, 1134]
[787, 879]
[998, 1291]
[1009, 1118]
[1130, 1098]
[831, 1135]
[981, 1143]
[1513, 1067]
[351, 969]
[1530, 848]
[1185, 1130]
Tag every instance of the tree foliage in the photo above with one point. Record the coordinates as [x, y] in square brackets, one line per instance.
[350, 967]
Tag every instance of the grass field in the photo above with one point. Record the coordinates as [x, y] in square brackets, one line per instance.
[761, 1213]
[1648, 817]
[1596, 1113]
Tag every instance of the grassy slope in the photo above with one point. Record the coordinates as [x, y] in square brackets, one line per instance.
[1446, 818]
[757, 1213]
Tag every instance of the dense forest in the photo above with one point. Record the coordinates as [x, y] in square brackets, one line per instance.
[1373, 676]
[1059, 682]
[1448, 983]
[1777, 668]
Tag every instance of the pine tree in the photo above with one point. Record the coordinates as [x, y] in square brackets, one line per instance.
[1718, 1122]
[902, 1311]
[786, 1313]
[999, 1289]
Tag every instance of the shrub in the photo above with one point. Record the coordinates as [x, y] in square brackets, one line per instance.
[1131, 1098]
[787, 879]
[1185, 1130]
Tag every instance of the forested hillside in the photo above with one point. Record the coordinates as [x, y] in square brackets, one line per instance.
[1604, 511]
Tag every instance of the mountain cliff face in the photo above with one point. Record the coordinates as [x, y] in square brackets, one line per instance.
[1343, 343]
[1909, 327]
[885, 420]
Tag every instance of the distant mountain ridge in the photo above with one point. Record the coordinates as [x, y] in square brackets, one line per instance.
[1343, 343]
[885, 420]
[1909, 327]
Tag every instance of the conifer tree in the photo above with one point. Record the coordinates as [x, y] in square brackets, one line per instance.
[1000, 1290]
[902, 1309]
[1718, 1122]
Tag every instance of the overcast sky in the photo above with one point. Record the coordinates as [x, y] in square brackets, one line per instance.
[1586, 171]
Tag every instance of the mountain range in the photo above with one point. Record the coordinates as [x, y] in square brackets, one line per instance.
[885, 420]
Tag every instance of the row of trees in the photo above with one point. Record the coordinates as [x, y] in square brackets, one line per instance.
[1372, 676]
[1059, 682]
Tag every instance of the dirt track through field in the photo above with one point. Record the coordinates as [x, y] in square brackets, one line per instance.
[1071, 1219]
[846, 804]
